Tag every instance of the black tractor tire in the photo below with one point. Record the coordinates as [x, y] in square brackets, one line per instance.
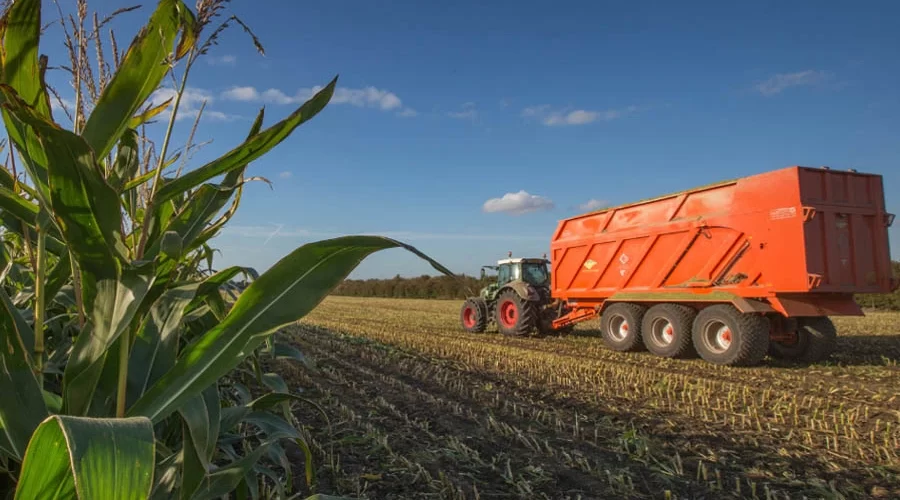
[474, 315]
[666, 330]
[722, 335]
[515, 315]
[621, 326]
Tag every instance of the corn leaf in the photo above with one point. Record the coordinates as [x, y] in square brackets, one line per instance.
[87, 458]
[149, 114]
[18, 206]
[23, 74]
[280, 296]
[201, 418]
[224, 481]
[114, 308]
[23, 404]
[139, 74]
[206, 202]
[127, 160]
[86, 208]
[250, 150]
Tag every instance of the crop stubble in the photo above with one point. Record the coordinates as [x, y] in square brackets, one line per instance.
[421, 409]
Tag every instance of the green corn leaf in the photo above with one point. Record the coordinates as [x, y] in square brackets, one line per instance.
[280, 296]
[127, 160]
[7, 180]
[23, 403]
[149, 113]
[18, 206]
[201, 417]
[275, 382]
[59, 275]
[137, 181]
[86, 209]
[156, 344]
[281, 350]
[88, 458]
[224, 481]
[114, 308]
[23, 73]
[250, 150]
[140, 72]
[206, 202]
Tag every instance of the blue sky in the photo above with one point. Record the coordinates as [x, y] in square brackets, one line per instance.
[442, 108]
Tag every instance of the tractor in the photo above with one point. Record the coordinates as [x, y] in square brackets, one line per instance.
[518, 302]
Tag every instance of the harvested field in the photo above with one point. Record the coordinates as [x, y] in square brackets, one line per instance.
[419, 408]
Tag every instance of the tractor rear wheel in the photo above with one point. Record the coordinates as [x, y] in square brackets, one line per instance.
[725, 336]
[666, 330]
[621, 326]
[515, 315]
[474, 315]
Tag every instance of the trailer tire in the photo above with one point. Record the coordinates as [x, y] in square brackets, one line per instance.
[515, 315]
[723, 335]
[666, 330]
[474, 314]
[821, 338]
[815, 341]
[621, 326]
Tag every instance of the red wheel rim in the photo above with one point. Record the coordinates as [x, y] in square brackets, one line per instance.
[509, 314]
[469, 317]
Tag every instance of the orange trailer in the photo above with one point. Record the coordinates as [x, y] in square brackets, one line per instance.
[732, 271]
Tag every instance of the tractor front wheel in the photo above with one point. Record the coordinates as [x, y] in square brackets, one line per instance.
[515, 315]
[474, 315]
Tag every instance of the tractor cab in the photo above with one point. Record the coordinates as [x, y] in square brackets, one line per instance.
[532, 271]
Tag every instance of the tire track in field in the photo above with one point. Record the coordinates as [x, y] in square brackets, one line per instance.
[797, 457]
[420, 417]
[766, 387]
[736, 461]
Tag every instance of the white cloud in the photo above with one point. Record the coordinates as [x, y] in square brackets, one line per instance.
[191, 101]
[593, 204]
[367, 97]
[783, 81]
[286, 174]
[468, 112]
[240, 94]
[278, 97]
[225, 60]
[553, 118]
[518, 203]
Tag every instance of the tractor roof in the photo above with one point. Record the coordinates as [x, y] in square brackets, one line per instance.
[518, 260]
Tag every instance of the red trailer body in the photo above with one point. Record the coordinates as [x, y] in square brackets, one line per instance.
[794, 242]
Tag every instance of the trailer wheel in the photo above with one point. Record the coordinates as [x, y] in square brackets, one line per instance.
[666, 330]
[621, 326]
[821, 336]
[724, 336]
[515, 315]
[814, 340]
[473, 315]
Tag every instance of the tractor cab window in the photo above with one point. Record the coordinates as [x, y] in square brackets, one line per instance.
[535, 273]
[503, 274]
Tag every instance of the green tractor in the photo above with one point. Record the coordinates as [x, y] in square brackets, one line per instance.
[518, 302]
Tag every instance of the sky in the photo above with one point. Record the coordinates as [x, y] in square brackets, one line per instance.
[469, 129]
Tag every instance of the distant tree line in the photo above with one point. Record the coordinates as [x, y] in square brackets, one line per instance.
[422, 287]
[888, 301]
[445, 287]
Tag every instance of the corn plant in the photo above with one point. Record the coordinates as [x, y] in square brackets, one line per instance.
[125, 370]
